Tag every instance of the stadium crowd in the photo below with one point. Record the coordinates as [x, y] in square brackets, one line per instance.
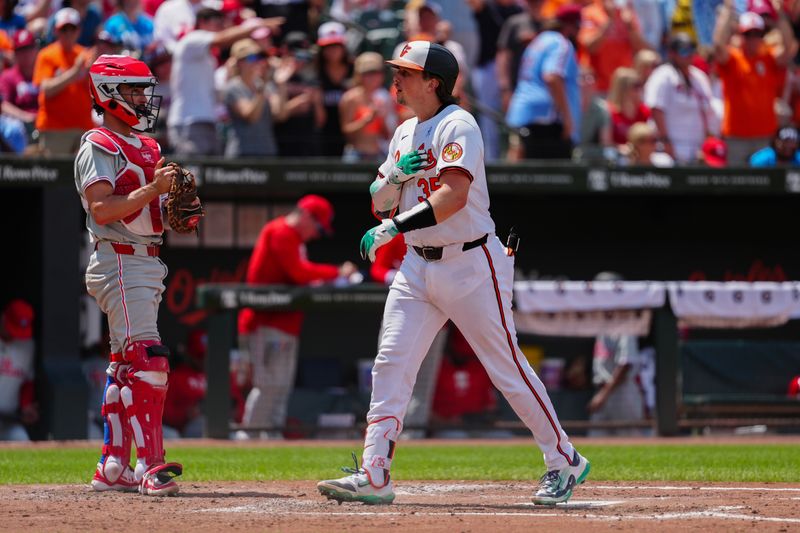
[640, 82]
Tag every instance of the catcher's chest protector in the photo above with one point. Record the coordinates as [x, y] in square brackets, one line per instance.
[138, 170]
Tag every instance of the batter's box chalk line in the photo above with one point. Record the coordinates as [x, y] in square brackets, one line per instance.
[690, 488]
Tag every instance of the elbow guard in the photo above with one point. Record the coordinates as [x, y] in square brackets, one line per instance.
[385, 196]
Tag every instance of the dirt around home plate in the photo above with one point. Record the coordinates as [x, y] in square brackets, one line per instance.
[419, 506]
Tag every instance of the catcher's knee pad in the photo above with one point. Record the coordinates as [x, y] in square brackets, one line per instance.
[379, 447]
[144, 400]
[117, 429]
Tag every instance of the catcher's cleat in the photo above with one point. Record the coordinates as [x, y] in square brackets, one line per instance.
[556, 485]
[356, 488]
[124, 482]
[159, 480]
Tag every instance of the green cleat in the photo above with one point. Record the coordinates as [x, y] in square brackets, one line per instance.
[356, 487]
[556, 485]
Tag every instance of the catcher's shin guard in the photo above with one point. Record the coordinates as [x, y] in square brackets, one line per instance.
[144, 401]
[379, 447]
[116, 453]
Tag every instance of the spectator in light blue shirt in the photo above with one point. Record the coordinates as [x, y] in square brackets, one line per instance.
[783, 152]
[130, 26]
[546, 101]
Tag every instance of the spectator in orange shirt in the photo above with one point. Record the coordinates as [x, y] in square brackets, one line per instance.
[752, 77]
[60, 72]
[609, 38]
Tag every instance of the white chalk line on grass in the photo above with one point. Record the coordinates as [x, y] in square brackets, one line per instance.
[688, 488]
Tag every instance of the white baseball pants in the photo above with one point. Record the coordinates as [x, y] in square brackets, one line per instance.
[473, 289]
[128, 289]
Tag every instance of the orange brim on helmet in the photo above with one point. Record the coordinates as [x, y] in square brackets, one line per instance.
[402, 63]
[426, 56]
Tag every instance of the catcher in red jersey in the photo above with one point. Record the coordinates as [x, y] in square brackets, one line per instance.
[123, 183]
[455, 268]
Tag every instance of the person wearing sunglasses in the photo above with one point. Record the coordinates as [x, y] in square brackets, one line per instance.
[255, 100]
[679, 96]
[752, 75]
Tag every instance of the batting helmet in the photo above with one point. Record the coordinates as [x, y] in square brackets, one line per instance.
[107, 73]
[431, 58]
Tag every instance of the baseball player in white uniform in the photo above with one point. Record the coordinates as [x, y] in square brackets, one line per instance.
[455, 268]
[121, 178]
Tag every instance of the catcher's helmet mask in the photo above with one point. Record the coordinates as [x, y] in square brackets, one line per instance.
[149, 111]
[108, 74]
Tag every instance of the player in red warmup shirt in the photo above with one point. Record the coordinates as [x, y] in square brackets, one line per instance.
[279, 257]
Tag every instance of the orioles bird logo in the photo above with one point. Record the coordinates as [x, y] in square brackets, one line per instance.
[451, 152]
[406, 49]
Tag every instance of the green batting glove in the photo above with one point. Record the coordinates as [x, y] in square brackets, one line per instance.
[408, 166]
[377, 237]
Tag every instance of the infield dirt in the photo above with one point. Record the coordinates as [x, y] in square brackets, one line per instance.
[420, 506]
[488, 506]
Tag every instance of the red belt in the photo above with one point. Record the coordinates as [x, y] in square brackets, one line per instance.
[129, 249]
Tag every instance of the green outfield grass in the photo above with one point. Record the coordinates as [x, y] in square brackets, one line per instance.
[678, 462]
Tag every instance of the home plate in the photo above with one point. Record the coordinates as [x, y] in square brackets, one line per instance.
[577, 504]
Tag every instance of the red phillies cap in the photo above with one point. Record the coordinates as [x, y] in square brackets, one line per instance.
[18, 319]
[569, 13]
[715, 152]
[23, 38]
[319, 208]
[762, 7]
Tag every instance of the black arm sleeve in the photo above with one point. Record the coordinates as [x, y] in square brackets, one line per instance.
[418, 217]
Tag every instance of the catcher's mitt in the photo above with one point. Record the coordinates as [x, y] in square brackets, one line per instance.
[182, 205]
